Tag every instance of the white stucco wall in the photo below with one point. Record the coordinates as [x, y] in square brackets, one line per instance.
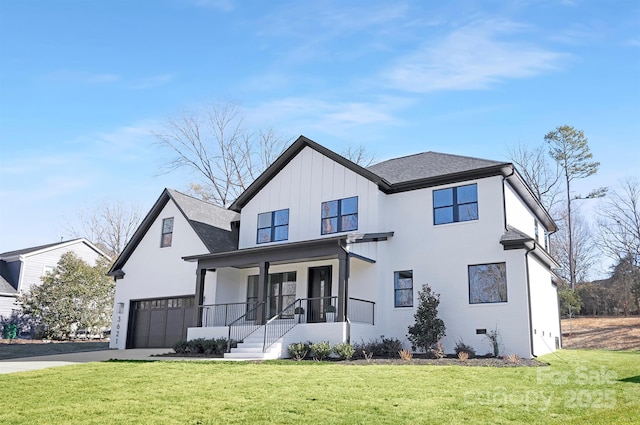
[545, 316]
[303, 184]
[155, 272]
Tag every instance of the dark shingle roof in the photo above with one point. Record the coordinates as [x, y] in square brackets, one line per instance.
[210, 222]
[427, 165]
[33, 249]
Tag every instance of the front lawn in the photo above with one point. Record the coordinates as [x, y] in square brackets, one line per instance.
[594, 387]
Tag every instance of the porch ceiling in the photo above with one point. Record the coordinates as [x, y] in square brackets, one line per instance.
[295, 252]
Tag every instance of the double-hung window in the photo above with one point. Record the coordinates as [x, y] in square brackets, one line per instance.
[488, 283]
[403, 288]
[273, 226]
[167, 232]
[455, 204]
[340, 215]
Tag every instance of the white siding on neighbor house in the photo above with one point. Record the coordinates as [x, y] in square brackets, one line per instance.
[34, 266]
[544, 308]
[439, 255]
[155, 272]
[308, 180]
[7, 305]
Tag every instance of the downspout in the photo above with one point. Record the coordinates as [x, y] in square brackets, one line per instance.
[526, 260]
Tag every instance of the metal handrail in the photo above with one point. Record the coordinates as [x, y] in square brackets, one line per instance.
[362, 311]
[239, 332]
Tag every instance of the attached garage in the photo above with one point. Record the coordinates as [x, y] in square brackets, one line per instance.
[160, 322]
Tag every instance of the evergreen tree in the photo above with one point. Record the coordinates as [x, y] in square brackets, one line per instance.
[428, 328]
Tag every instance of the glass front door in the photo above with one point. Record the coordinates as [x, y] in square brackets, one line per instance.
[281, 294]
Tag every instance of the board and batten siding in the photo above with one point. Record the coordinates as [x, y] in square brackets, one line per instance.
[155, 272]
[520, 216]
[309, 179]
[545, 315]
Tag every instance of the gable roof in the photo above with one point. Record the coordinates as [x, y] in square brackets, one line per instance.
[211, 223]
[25, 252]
[406, 173]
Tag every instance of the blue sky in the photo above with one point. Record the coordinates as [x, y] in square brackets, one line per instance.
[84, 83]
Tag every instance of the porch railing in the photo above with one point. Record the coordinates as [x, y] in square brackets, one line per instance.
[362, 311]
[224, 314]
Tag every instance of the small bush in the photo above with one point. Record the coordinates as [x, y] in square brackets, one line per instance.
[494, 339]
[180, 347]
[512, 358]
[344, 350]
[463, 356]
[461, 347]
[405, 355]
[217, 346]
[298, 350]
[320, 350]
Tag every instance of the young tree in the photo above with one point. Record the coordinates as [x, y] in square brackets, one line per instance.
[109, 225]
[579, 250]
[75, 294]
[428, 328]
[570, 149]
[215, 144]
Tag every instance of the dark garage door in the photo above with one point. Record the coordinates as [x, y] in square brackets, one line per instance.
[159, 323]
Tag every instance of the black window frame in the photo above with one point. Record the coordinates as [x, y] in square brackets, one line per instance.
[273, 227]
[455, 205]
[339, 216]
[164, 233]
[396, 290]
[501, 286]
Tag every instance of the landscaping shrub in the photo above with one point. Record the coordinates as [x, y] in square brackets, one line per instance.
[405, 355]
[320, 350]
[344, 350]
[461, 347]
[379, 348]
[215, 346]
[428, 329]
[436, 351]
[298, 350]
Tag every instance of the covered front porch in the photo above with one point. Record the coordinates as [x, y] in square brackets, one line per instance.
[272, 295]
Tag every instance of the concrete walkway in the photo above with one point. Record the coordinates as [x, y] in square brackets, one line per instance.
[42, 362]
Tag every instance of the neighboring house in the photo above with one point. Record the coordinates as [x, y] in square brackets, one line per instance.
[155, 301]
[321, 233]
[24, 268]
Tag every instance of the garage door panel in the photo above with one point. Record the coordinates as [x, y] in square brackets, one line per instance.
[159, 323]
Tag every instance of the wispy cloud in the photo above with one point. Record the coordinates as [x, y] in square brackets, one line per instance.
[151, 82]
[472, 57]
[66, 75]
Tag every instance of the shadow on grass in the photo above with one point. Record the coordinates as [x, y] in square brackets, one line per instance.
[633, 379]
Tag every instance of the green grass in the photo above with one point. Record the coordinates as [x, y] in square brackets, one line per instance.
[594, 387]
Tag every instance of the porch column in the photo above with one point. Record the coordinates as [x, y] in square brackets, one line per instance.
[263, 282]
[201, 275]
[343, 285]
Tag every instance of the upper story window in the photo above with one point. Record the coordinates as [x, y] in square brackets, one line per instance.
[167, 232]
[455, 204]
[340, 215]
[488, 283]
[403, 288]
[273, 226]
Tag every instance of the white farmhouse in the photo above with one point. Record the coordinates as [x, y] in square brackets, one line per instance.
[348, 248]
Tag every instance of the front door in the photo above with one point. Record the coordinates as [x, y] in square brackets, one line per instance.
[282, 294]
[319, 293]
